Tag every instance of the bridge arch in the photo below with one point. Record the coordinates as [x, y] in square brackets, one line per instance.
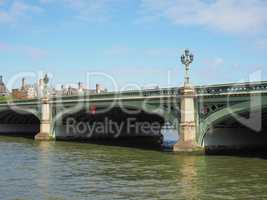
[19, 122]
[234, 113]
[149, 112]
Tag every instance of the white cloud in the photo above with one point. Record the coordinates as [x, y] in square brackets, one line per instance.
[261, 43]
[214, 63]
[16, 11]
[33, 53]
[4, 47]
[122, 50]
[118, 50]
[211, 70]
[161, 51]
[89, 10]
[232, 16]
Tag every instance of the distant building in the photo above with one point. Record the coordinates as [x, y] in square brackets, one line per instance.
[18, 94]
[71, 91]
[31, 92]
[100, 89]
[27, 91]
[80, 90]
[3, 89]
[76, 91]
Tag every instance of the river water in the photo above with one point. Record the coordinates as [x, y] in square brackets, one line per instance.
[77, 171]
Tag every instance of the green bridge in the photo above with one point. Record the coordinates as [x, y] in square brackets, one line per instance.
[213, 116]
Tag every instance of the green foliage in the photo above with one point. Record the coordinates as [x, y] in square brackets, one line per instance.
[5, 98]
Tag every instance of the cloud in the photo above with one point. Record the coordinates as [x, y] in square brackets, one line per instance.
[89, 10]
[118, 50]
[261, 43]
[16, 11]
[122, 50]
[231, 16]
[29, 51]
[210, 70]
[35, 53]
[214, 63]
[4, 47]
[161, 51]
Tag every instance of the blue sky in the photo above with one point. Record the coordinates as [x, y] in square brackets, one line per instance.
[134, 41]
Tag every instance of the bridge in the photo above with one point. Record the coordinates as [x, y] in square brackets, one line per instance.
[212, 116]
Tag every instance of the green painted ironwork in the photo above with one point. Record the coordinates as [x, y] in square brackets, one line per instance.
[232, 110]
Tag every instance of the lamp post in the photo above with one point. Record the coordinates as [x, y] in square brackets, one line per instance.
[46, 80]
[188, 123]
[186, 59]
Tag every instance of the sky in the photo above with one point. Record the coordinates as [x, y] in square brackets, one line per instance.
[133, 43]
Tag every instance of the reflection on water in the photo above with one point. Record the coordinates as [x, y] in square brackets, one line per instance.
[60, 170]
[188, 177]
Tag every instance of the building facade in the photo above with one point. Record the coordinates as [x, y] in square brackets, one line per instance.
[3, 89]
[28, 91]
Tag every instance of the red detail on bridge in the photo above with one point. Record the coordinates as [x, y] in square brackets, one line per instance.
[93, 109]
[205, 110]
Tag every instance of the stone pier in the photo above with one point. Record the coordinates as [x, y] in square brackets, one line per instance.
[45, 125]
[187, 141]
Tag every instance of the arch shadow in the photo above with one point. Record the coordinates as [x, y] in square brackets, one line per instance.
[19, 123]
[116, 117]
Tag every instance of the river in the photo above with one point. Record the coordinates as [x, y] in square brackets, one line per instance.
[79, 171]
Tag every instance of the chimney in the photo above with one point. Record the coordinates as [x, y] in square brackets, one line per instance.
[1, 79]
[80, 86]
[23, 83]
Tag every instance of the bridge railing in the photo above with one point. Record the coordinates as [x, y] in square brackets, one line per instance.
[105, 95]
[124, 94]
[15, 101]
[219, 89]
[246, 87]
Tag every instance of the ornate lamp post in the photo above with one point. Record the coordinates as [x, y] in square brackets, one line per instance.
[186, 59]
[46, 80]
[188, 126]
